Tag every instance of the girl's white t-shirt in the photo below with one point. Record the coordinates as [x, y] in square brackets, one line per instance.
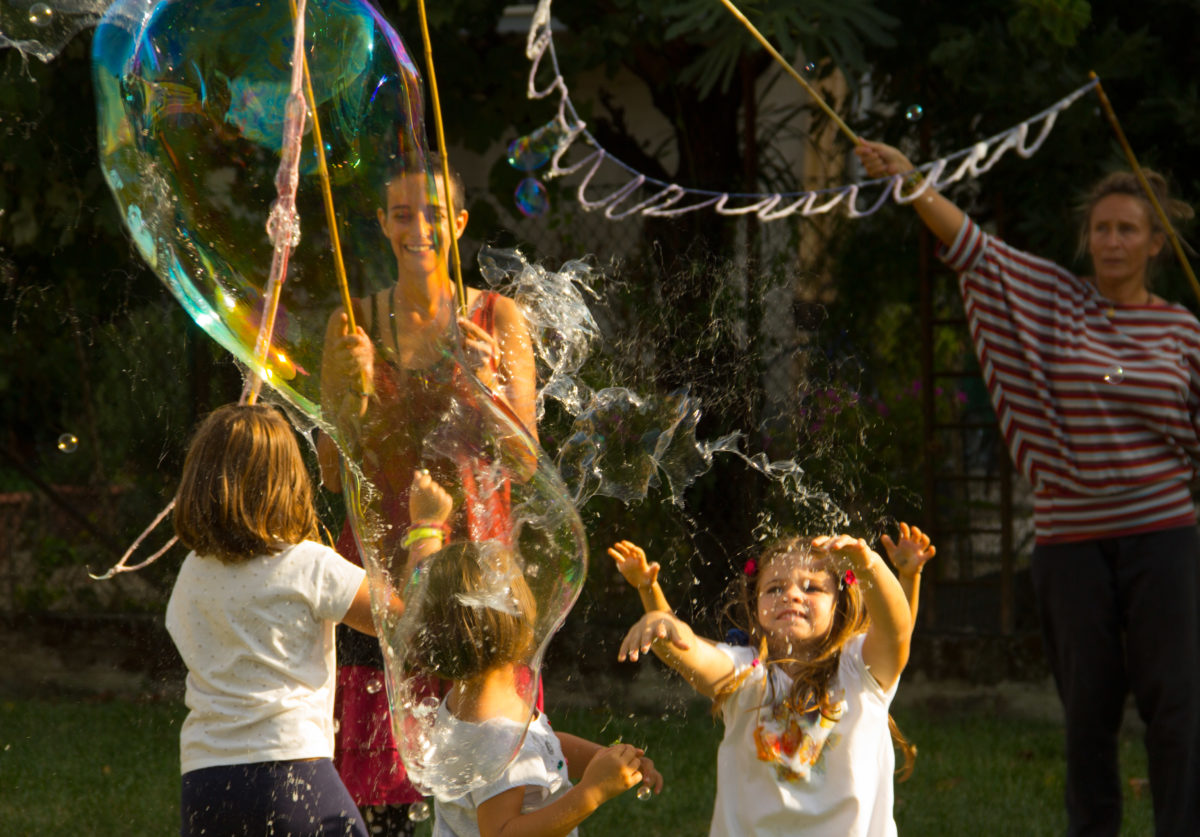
[257, 639]
[779, 774]
[539, 767]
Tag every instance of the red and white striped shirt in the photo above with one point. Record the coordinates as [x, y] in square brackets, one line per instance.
[1097, 400]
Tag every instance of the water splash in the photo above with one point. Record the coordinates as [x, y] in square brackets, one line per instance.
[40, 30]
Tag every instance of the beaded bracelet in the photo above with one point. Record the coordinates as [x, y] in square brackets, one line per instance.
[911, 183]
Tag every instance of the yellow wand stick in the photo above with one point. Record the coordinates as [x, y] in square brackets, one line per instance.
[451, 216]
[1137, 170]
[837, 120]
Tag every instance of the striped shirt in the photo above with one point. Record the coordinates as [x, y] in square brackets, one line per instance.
[1097, 400]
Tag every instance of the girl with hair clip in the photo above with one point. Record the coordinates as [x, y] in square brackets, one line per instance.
[1095, 380]
[805, 704]
[252, 614]
[476, 615]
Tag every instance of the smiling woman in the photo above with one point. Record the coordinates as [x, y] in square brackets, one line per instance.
[388, 386]
[1096, 384]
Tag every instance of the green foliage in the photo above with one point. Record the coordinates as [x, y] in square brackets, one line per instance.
[843, 30]
[1061, 21]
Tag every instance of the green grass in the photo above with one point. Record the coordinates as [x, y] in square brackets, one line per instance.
[89, 768]
[110, 767]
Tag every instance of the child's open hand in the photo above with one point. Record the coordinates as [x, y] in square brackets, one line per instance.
[651, 778]
[614, 770]
[428, 502]
[654, 626]
[846, 552]
[631, 563]
[911, 552]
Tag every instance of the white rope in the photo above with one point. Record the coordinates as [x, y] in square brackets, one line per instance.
[670, 200]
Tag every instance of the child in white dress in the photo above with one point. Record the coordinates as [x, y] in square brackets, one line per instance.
[805, 703]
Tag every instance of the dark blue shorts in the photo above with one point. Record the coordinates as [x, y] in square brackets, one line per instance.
[275, 798]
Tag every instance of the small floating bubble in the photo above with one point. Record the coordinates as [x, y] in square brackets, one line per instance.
[373, 686]
[41, 15]
[68, 443]
[914, 113]
[644, 793]
[810, 68]
[1114, 375]
[418, 811]
[531, 197]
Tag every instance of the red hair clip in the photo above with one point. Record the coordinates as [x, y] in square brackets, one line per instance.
[849, 578]
[751, 567]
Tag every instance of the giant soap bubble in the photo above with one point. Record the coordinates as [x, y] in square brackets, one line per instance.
[197, 108]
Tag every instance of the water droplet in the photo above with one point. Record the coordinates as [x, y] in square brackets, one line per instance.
[914, 113]
[531, 197]
[41, 15]
[373, 687]
[68, 443]
[532, 570]
[418, 811]
[1114, 375]
[644, 793]
[532, 151]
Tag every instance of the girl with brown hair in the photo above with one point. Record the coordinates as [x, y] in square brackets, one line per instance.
[252, 614]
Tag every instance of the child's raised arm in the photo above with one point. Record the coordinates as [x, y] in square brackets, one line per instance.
[429, 507]
[885, 648]
[700, 662]
[607, 772]
[908, 556]
[642, 576]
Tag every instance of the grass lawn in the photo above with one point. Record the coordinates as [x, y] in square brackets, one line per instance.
[110, 768]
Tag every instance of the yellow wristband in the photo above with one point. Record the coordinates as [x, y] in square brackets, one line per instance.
[421, 533]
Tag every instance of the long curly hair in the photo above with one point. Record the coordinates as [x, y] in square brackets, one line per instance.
[813, 675]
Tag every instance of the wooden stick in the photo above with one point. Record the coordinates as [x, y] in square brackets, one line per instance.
[837, 120]
[1137, 170]
[451, 216]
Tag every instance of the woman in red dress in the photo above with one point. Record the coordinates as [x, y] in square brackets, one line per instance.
[420, 412]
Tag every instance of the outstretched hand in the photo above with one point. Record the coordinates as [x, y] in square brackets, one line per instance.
[910, 553]
[631, 563]
[428, 502]
[846, 552]
[616, 769]
[654, 626]
[881, 159]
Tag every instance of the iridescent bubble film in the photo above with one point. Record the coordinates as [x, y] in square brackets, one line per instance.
[531, 197]
[914, 113]
[208, 139]
[532, 151]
